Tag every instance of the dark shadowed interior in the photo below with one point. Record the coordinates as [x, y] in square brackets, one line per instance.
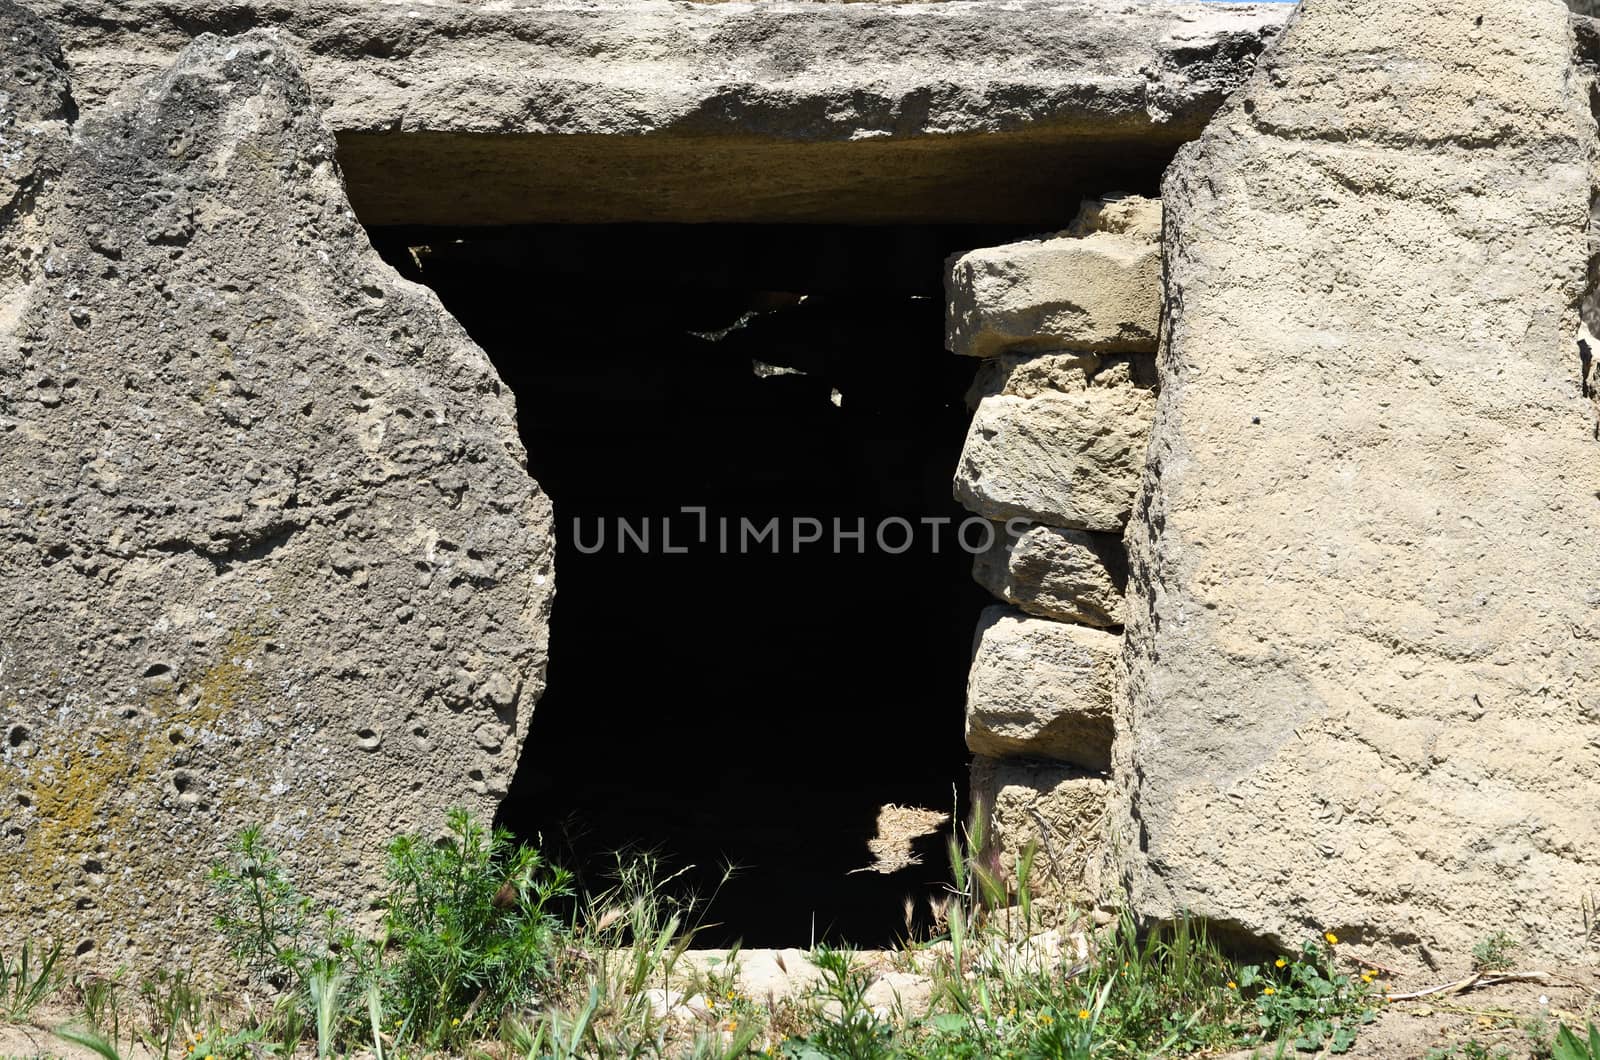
[738, 706]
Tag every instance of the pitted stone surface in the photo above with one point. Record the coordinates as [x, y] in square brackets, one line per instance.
[1041, 689]
[1363, 639]
[800, 70]
[36, 105]
[268, 550]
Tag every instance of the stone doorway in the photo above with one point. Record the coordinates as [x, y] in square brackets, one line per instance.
[757, 703]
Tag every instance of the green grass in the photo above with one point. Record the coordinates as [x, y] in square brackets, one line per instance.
[1577, 1045]
[27, 980]
[472, 958]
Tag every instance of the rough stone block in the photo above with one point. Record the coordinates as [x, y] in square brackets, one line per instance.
[1028, 375]
[1061, 809]
[1131, 215]
[1068, 575]
[1100, 290]
[1041, 689]
[1363, 633]
[268, 550]
[1061, 459]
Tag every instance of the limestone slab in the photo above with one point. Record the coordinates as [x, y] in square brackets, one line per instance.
[590, 111]
[1363, 637]
[268, 550]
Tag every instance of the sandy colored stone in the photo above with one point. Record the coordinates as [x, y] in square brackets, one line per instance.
[1068, 575]
[1041, 689]
[1061, 459]
[1363, 634]
[1095, 287]
[1060, 809]
[1028, 375]
[268, 550]
[1121, 213]
[592, 111]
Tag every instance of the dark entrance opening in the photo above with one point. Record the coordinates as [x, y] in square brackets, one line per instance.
[752, 704]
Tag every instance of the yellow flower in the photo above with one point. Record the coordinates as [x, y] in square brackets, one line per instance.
[1083, 1013]
[455, 1023]
[1269, 991]
[1279, 963]
[1333, 940]
[1046, 1018]
[1232, 985]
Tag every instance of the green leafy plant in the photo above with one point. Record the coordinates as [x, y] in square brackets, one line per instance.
[1569, 1046]
[848, 1029]
[467, 934]
[1006, 986]
[471, 949]
[1169, 989]
[375, 1017]
[90, 1040]
[264, 917]
[469, 928]
[1307, 999]
[102, 1007]
[173, 1005]
[325, 984]
[1493, 954]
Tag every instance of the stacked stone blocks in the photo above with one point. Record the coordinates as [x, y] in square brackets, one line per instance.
[1066, 328]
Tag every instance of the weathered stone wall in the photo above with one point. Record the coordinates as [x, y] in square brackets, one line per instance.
[1363, 640]
[1062, 408]
[268, 550]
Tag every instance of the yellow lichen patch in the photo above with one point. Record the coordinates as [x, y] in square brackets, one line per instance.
[228, 681]
[70, 793]
[76, 789]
